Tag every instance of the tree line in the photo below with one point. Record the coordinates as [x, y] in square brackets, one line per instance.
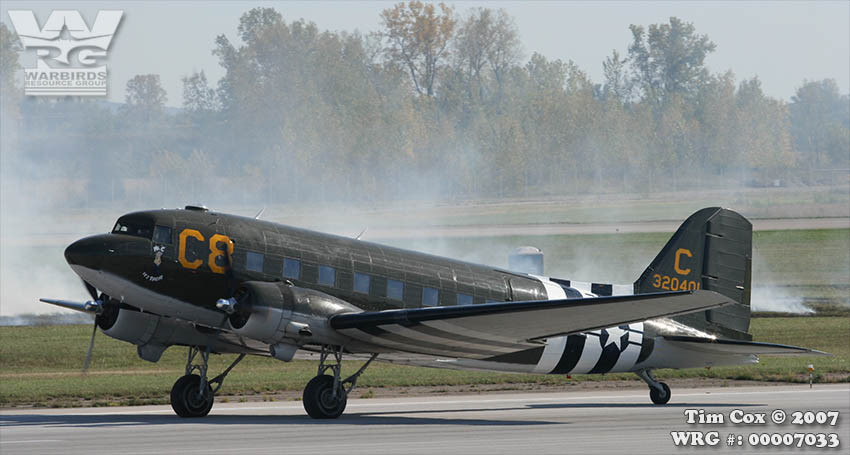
[437, 104]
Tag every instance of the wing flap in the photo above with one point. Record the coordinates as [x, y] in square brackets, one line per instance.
[739, 347]
[515, 322]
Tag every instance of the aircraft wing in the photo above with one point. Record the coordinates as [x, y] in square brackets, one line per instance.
[492, 328]
[739, 347]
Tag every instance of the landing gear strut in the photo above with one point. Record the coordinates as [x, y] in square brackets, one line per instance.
[326, 395]
[193, 395]
[659, 392]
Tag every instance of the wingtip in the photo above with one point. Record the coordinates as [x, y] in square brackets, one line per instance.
[816, 352]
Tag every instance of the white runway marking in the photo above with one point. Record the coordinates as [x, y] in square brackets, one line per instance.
[30, 441]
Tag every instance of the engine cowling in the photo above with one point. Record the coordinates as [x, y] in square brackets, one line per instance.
[151, 332]
[281, 313]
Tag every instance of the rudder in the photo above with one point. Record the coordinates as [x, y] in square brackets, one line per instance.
[711, 250]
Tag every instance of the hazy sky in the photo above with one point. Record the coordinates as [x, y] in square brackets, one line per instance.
[781, 42]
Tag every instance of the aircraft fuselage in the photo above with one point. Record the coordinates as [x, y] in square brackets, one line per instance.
[179, 263]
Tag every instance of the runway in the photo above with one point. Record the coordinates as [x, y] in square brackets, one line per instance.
[516, 423]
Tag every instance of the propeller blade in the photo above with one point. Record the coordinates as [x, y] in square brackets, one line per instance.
[91, 347]
[92, 290]
[84, 307]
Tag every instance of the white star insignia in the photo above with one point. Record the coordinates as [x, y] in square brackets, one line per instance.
[615, 337]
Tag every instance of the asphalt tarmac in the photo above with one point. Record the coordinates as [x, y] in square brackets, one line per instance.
[594, 422]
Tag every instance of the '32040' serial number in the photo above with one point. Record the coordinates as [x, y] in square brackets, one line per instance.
[673, 283]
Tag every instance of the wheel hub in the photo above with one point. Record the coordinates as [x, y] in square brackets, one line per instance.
[328, 400]
[194, 398]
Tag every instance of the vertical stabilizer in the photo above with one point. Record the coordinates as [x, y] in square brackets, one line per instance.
[711, 250]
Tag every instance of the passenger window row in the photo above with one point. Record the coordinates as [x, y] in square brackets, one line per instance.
[363, 283]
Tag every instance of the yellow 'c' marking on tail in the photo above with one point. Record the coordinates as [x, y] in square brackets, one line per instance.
[679, 253]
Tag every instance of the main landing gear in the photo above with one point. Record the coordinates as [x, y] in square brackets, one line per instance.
[659, 392]
[326, 395]
[192, 394]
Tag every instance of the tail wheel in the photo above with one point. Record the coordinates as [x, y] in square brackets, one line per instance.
[320, 402]
[186, 399]
[657, 396]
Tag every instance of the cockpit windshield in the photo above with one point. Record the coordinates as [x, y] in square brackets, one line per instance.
[136, 229]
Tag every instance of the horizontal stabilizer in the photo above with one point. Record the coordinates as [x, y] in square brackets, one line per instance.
[739, 347]
[520, 322]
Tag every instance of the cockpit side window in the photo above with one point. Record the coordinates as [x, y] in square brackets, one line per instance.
[162, 234]
[136, 229]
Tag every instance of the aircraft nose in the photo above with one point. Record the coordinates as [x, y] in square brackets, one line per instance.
[87, 252]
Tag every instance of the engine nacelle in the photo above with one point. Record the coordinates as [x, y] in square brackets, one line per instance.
[152, 333]
[281, 313]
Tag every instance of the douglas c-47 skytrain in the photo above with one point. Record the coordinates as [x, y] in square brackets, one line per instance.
[219, 283]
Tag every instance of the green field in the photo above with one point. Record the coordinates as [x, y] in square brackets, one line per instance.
[41, 367]
[753, 203]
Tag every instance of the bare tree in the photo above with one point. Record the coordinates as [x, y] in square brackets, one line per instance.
[418, 38]
[506, 50]
[487, 39]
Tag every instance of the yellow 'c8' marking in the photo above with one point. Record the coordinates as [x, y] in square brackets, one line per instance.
[679, 253]
[181, 257]
[215, 252]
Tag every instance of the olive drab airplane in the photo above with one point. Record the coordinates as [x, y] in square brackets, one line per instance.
[219, 283]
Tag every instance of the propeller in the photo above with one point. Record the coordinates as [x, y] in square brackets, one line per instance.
[91, 348]
[95, 306]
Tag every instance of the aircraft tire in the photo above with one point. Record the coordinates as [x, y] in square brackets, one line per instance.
[656, 397]
[318, 398]
[185, 400]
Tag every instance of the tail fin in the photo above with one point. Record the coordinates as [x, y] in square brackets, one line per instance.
[711, 250]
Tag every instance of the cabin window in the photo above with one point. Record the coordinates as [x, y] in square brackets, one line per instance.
[464, 299]
[430, 297]
[361, 283]
[291, 268]
[162, 234]
[327, 275]
[254, 261]
[395, 289]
